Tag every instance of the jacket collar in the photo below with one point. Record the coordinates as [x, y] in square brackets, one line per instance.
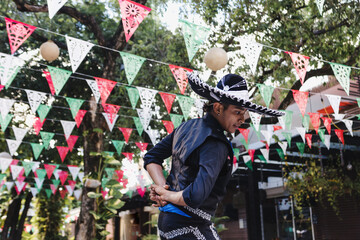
[213, 123]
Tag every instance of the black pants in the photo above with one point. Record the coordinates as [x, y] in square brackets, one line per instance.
[175, 226]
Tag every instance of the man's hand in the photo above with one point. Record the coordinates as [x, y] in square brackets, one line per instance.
[161, 195]
[156, 197]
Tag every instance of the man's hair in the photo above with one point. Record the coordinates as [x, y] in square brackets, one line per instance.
[208, 106]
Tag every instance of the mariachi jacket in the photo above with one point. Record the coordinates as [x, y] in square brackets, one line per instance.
[201, 164]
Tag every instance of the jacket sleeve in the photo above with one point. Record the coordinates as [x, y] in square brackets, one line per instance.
[159, 152]
[212, 156]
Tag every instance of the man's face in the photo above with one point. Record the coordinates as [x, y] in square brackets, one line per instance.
[231, 118]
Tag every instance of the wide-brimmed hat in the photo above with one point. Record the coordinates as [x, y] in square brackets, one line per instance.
[231, 89]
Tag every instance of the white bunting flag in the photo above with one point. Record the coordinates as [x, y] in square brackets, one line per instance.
[251, 51]
[94, 88]
[9, 67]
[267, 134]
[199, 104]
[283, 146]
[265, 153]
[74, 170]
[339, 116]
[13, 145]
[348, 124]
[327, 141]
[56, 173]
[147, 97]
[320, 5]
[68, 126]
[9, 185]
[154, 135]
[81, 176]
[20, 185]
[5, 163]
[282, 122]
[19, 133]
[54, 6]
[39, 182]
[144, 116]
[5, 106]
[34, 191]
[69, 189]
[342, 74]
[302, 132]
[35, 98]
[255, 119]
[334, 102]
[110, 125]
[15, 171]
[246, 158]
[77, 194]
[78, 49]
[35, 166]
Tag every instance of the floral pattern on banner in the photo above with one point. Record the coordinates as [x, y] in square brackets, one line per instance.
[18, 32]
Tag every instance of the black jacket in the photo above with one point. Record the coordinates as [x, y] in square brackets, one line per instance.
[201, 164]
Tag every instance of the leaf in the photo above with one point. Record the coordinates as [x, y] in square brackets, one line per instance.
[95, 154]
[115, 203]
[114, 211]
[98, 130]
[99, 226]
[95, 215]
[93, 195]
[104, 233]
[113, 162]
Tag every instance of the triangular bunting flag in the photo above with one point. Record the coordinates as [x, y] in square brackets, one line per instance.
[301, 147]
[194, 36]
[251, 154]
[199, 104]
[153, 135]
[327, 141]
[68, 127]
[126, 132]
[59, 78]
[105, 87]
[168, 100]
[9, 67]
[276, 128]
[132, 14]
[245, 133]
[327, 123]
[63, 151]
[5, 106]
[185, 103]
[180, 76]
[63, 176]
[71, 141]
[168, 125]
[255, 119]
[340, 134]
[38, 125]
[302, 132]
[46, 137]
[301, 99]
[320, 5]
[78, 49]
[15, 171]
[266, 93]
[111, 110]
[265, 153]
[138, 123]
[342, 74]
[128, 155]
[348, 124]
[74, 170]
[132, 64]
[134, 96]
[308, 137]
[43, 111]
[48, 191]
[300, 63]
[18, 32]
[9, 185]
[19, 133]
[288, 137]
[251, 51]
[142, 146]
[69, 189]
[176, 119]
[315, 120]
[281, 153]
[245, 144]
[79, 117]
[55, 182]
[283, 146]
[110, 125]
[267, 134]
[144, 118]
[94, 88]
[49, 81]
[248, 161]
[40, 173]
[49, 168]
[27, 166]
[13, 145]
[306, 121]
[37, 149]
[74, 104]
[5, 122]
[35, 98]
[334, 102]
[147, 97]
[77, 194]
[54, 6]
[118, 145]
[321, 134]
[34, 191]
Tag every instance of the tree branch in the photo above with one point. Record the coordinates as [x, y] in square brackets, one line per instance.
[323, 31]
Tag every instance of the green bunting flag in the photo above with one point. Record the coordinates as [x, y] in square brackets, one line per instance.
[321, 133]
[129, 193]
[12, 77]
[301, 147]
[104, 181]
[176, 119]
[118, 145]
[185, 104]
[134, 96]
[236, 153]
[194, 36]
[262, 158]
[5, 122]
[132, 64]
[108, 153]
[248, 162]
[110, 172]
[138, 125]
[266, 93]
[43, 111]
[244, 143]
[358, 101]
[287, 136]
[27, 167]
[41, 173]
[258, 134]
[306, 121]
[48, 192]
[56, 182]
[2, 176]
[37, 149]
[281, 153]
[342, 74]
[75, 105]
[59, 77]
[46, 137]
[288, 119]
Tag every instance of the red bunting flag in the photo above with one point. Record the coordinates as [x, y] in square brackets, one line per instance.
[141, 191]
[111, 111]
[327, 123]
[251, 153]
[50, 82]
[315, 120]
[53, 188]
[301, 99]
[142, 146]
[21, 178]
[245, 133]
[132, 14]
[18, 32]
[63, 176]
[63, 193]
[79, 117]
[126, 132]
[180, 76]
[49, 168]
[71, 141]
[168, 100]
[18, 191]
[128, 155]
[38, 125]
[63, 151]
[1, 87]
[168, 125]
[308, 137]
[104, 193]
[105, 87]
[72, 184]
[340, 134]
[300, 63]
[120, 175]
[277, 128]
[266, 144]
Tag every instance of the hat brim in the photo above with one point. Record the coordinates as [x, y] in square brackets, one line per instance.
[218, 95]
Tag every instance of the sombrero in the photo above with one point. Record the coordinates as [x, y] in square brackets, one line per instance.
[231, 89]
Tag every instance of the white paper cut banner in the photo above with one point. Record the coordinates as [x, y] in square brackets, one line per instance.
[74, 170]
[334, 102]
[144, 116]
[54, 6]
[283, 146]
[9, 67]
[251, 51]
[78, 49]
[77, 194]
[19, 133]
[110, 125]
[255, 119]
[265, 153]
[35, 98]
[39, 182]
[154, 135]
[94, 88]
[348, 124]
[69, 189]
[9, 185]
[147, 96]
[68, 126]
[13, 145]
[15, 171]
[327, 141]
[5, 163]
[302, 132]
[34, 191]
[267, 134]
[5, 106]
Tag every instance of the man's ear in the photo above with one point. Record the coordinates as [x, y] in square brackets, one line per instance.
[218, 108]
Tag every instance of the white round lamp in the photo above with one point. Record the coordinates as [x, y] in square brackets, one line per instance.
[49, 51]
[216, 58]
